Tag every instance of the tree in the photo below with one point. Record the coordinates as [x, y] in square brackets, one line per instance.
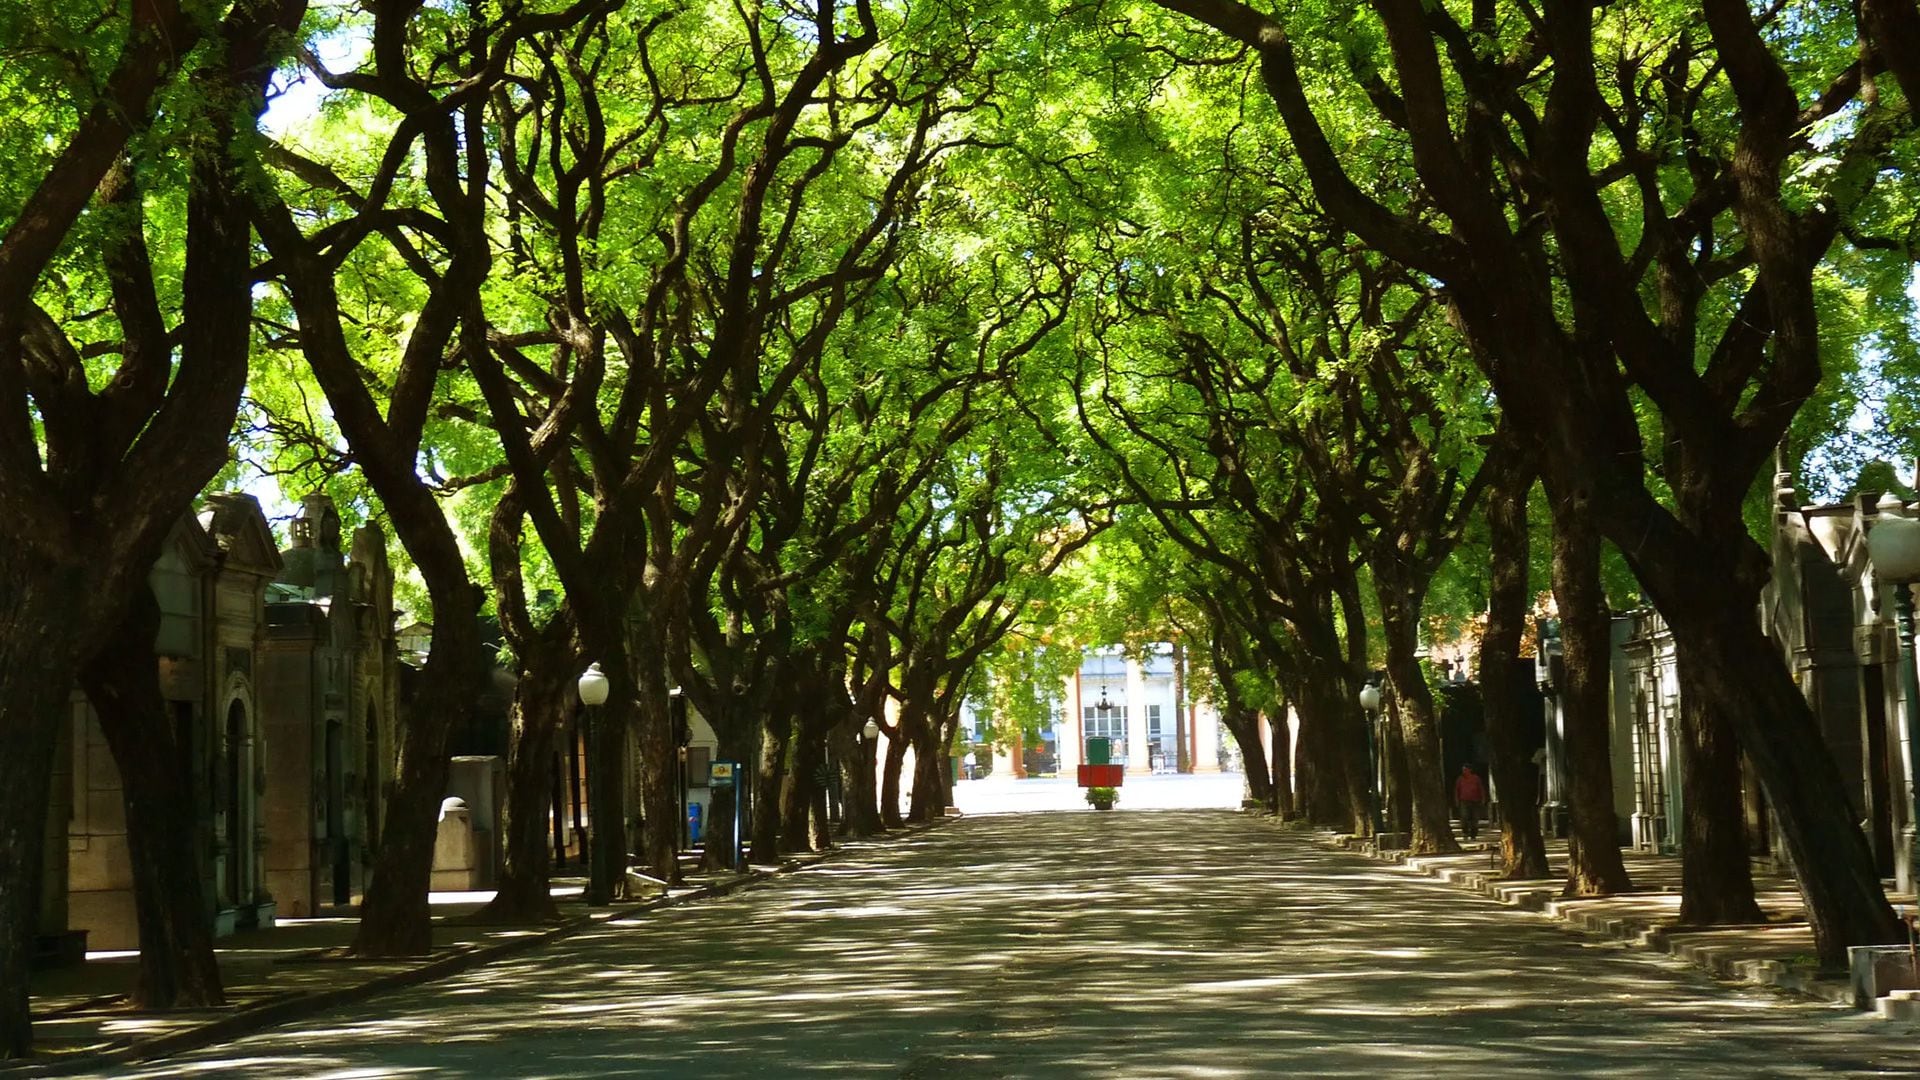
[98, 461]
[442, 239]
[1522, 128]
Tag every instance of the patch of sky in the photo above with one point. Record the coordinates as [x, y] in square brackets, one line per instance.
[295, 96]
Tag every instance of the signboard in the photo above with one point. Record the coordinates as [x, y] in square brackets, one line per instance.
[720, 774]
[1102, 775]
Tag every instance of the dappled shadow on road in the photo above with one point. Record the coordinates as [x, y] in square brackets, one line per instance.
[1180, 944]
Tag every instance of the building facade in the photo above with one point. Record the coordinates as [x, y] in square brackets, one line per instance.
[329, 691]
[1134, 701]
[209, 583]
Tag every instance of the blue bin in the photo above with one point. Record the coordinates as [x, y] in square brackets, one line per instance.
[693, 823]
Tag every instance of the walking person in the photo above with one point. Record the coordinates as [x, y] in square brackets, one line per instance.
[1471, 794]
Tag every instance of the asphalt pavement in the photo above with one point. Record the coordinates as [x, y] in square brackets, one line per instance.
[1177, 943]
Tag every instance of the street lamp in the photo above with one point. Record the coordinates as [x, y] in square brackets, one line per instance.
[871, 730]
[1893, 543]
[594, 688]
[1370, 703]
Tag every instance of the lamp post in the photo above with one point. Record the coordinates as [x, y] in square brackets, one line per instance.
[1893, 543]
[1104, 710]
[593, 694]
[682, 735]
[1370, 704]
[870, 786]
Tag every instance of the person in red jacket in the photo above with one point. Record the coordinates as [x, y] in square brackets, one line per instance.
[1471, 794]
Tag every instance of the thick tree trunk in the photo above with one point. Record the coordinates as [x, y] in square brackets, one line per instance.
[39, 659]
[776, 737]
[1716, 878]
[799, 790]
[1316, 772]
[928, 762]
[859, 797]
[1183, 758]
[1397, 808]
[395, 918]
[1244, 726]
[1279, 773]
[890, 781]
[1730, 661]
[1417, 725]
[659, 836]
[543, 703]
[1346, 752]
[607, 797]
[1334, 769]
[1523, 851]
[177, 964]
[1594, 867]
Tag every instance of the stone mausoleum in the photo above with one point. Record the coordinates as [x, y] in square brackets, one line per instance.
[329, 687]
[209, 583]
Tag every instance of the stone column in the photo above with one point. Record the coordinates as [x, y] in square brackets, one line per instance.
[1066, 739]
[1004, 757]
[1206, 737]
[1136, 699]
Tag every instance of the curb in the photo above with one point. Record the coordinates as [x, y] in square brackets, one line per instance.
[1541, 896]
[282, 1009]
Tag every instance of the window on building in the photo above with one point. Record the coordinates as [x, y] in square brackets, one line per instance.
[1153, 722]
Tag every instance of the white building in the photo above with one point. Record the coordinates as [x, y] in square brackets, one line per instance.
[1132, 701]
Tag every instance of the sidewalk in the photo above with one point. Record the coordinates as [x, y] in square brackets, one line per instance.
[1778, 953]
[81, 1019]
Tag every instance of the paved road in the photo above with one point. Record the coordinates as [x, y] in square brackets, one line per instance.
[1152, 944]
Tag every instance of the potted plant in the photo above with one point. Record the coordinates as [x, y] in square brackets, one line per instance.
[1102, 798]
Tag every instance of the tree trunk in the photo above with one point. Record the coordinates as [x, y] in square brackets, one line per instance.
[395, 918]
[927, 803]
[39, 659]
[775, 739]
[858, 796]
[797, 793]
[890, 781]
[1730, 661]
[1278, 775]
[659, 838]
[606, 798]
[1716, 878]
[1397, 796]
[542, 703]
[1593, 846]
[1244, 726]
[1182, 759]
[1415, 722]
[1523, 851]
[1334, 768]
[177, 964]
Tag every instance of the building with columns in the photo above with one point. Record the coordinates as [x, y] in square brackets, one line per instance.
[1143, 714]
